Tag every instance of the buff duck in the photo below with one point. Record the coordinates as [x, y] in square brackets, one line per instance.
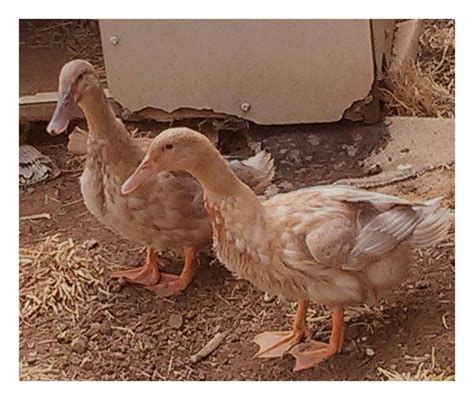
[167, 213]
[335, 245]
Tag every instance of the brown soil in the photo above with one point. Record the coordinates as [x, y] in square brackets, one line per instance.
[417, 320]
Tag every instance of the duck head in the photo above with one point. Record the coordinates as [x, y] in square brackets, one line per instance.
[174, 149]
[76, 80]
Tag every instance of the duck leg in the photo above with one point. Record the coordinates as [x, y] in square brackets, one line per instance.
[277, 344]
[148, 274]
[170, 284]
[312, 353]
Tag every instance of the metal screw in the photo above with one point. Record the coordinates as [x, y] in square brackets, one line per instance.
[126, 113]
[245, 106]
[114, 40]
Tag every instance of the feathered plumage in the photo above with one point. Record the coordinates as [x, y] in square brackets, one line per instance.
[335, 245]
[165, 214]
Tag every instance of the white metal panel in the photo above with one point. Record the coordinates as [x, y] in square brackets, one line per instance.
[289, 71]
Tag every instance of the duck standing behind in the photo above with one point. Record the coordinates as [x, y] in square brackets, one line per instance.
[334, 245]
[165, 214]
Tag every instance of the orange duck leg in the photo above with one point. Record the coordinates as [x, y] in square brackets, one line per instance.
[277, 344]
[147, 275]
[314, 352]
[169, 284]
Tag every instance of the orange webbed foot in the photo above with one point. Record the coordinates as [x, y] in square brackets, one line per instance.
[276, 344]
[147, 275]
[312, 353]
[171, 285]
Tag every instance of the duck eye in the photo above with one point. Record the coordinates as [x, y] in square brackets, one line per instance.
[168, 146]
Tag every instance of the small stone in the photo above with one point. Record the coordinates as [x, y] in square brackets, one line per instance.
[364, 338]
[374, 169]
[422, 285]
[370, 352]
[294, 156]
[175, 321]
[352, 346]
[31, 357]
[75, 361]
[351, 150]
[79, 345]
[286, 186]
[90, 244]
[268, 297]
[63, 336]
[313, 140]
[271, 190]
[105, 327]
[404, 167]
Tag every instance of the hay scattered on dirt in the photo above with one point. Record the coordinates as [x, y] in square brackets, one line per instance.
[423, 371]
[420, 374]
[29, 372]
[412, 91]
[425, 88]
[58, 277]
[437, 51]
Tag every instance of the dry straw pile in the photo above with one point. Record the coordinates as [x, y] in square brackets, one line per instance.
[58, 277]
[421, 374]
[426, 87]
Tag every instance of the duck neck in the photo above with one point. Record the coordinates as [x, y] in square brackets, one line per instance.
[217, 178]
[101, 119]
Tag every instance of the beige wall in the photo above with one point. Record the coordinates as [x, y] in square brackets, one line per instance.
[288, 71]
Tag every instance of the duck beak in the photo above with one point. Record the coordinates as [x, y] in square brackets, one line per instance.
[145, 170]
[65, 109]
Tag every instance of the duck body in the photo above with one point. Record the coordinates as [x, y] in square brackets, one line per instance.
[307, 243]
[166, 214]
[335, 245]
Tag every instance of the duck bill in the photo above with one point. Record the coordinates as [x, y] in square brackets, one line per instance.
[65, 109]
[145, 170]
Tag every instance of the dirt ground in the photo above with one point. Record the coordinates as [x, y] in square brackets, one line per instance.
[124, 332]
